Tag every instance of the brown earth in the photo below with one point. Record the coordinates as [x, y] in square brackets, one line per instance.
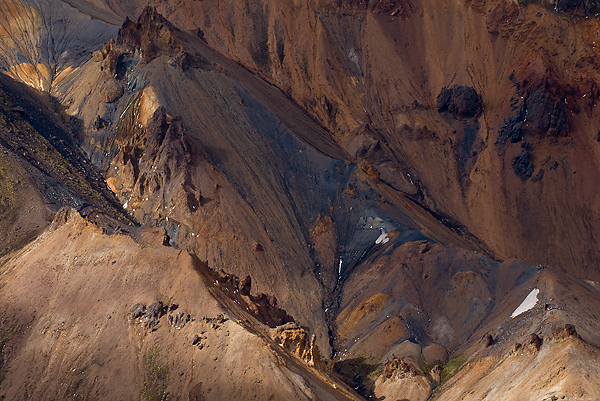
[66, 299]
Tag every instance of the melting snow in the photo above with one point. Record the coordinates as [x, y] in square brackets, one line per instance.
[529, 302]
[340, 268]
[383, 238]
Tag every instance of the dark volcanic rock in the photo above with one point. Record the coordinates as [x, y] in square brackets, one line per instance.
[179, 319]
[512, 127]
[153, 315]
[522, 165]
[546, 113]
[463, 102]
[136, 311]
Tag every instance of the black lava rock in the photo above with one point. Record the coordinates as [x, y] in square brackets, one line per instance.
[136, 311]
[153, 315]
[546, 113]
[512, 127]
[463, 102]
[522, 165]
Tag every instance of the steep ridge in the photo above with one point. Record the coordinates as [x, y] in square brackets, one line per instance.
[42, 169]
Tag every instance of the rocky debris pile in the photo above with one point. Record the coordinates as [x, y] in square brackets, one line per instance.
[295, 339]
[463, 102]
[197, 340]
[178, 319]
[400, 368]
[149, 317]
[262, 306]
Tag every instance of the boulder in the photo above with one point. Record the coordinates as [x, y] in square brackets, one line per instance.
[535, 341]
[136, 311]
[570, 330]
[153, 315]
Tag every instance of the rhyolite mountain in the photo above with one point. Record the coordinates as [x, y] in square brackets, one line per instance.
[299, 200]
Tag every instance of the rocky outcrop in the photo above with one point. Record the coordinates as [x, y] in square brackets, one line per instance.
[178, 319]
[152, 34]
[534, 342]
[402, 376]
[568, 331]
[398, 368]
[136, 312]
[463, 102]
[149, 318]
[522, 164]
[296, 340]
[546, 112]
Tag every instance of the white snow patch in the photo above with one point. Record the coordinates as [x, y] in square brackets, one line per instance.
[340, 268]
[383, 238]
[529, 302]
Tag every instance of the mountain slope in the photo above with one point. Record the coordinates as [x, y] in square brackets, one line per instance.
[66, 301]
